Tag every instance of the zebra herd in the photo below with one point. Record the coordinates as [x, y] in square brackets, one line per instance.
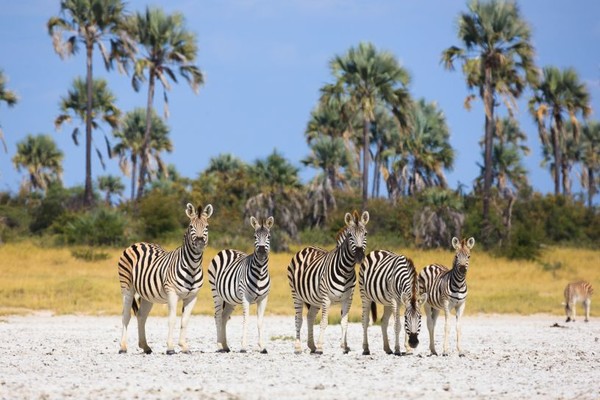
[317, 277]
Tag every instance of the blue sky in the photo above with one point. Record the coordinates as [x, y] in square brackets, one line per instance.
[264, 62]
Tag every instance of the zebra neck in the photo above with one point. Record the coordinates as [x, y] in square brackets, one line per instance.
[257, 269]
[190, 256]
[345, 257]
[457, 275]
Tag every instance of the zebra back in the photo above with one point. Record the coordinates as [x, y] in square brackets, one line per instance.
[579, 290]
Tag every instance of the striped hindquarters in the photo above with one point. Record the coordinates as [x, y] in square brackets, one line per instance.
[304, 274]
[228, 278]
[578, 291]
[442, 285]
[384, 276]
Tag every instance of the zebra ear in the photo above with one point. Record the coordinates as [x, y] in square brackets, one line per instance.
[254, 223]
[348, 219]
[208, 210]
[365, 217]
[269, 222]
[455, 243]
[190, 211]
[471, 243]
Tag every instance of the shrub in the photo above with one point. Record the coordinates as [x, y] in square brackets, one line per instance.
[100, 227]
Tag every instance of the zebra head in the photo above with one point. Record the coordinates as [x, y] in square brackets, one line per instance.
[463, 253]
[262, 237]
[413, 298]
[197, 232]
[356, 234]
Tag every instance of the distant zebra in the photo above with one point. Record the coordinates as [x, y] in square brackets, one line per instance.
[390, 279]
[160, 276]
[578, 291]
[447, 290]
[238, 278]
[319, 278]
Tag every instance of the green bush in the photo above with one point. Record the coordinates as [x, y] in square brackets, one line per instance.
[101, 227]
[161, 215]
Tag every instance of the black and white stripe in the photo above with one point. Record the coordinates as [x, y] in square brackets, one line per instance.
[578, 291]
[390, 279]
[319, 278]
[238, 278]
[446, 290]
[160, 276]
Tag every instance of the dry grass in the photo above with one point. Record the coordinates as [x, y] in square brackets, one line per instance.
[37, 278]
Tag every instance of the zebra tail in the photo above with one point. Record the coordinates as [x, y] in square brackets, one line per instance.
[374, 311]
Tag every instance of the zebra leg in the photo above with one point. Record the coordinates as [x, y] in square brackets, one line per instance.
[245, 316]
[260, 313]
[385, 319]
[298, 305]
[397, 330]
[345, 310]
[311, 315]
[188, 306]
[459, 312]
[587, 303]
[366, 305]
[172, 302]
[219, 321]
[446, 328]
[227, 311]
[127, 303]
[324, 323]
[432, 314]
[142, 316]
[573, 310]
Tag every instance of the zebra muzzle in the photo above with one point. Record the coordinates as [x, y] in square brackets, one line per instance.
[413, 340]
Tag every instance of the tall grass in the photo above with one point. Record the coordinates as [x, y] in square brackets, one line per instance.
[35, 277]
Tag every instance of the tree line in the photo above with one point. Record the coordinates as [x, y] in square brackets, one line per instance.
[367, 129]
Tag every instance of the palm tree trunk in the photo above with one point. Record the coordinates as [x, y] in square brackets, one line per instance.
[566, 180]
[146, 144]
[88, 194]
[556, 132]
[488, 100]
[133, 176]
[591, 186]
[365, 191]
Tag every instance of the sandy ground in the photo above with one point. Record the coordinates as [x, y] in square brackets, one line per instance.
[46, 357]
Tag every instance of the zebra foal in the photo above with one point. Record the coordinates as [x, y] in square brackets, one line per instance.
[319, 278]
[390, 279]
[578, 291]
[446, 290]
[238, 278]
[160, 276]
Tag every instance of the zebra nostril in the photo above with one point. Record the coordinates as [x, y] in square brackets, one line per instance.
[413, 340]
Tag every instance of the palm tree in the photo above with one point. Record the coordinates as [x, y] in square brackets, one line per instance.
[75, 106]
[590, 158]
[91, 23]
[111, 185]
[329, 154]
[440, 218]
[7, 96]
[279, 194]
[42, 160]
[131, 138]
[166, 44]
[497, 59]
[385, 139]
[559, 95]
[369, 77]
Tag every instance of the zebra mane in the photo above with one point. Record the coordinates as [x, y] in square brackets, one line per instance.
[412, 272]
[341, 236]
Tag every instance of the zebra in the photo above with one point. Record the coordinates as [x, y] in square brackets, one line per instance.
[319, 278]
[446, 290]
[159, 276]
[238, 278]
[578, 291]
[390, 279]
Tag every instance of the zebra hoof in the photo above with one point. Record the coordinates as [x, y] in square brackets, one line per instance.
[399, 353]
[243, 351]
[317, 352]
[121, 351]
[366, 353]
[170, 352]
[263, 351]
[461, 354]
[148, 351]
[223, 351]
[347, 350]
[186, 352]
[444, 354]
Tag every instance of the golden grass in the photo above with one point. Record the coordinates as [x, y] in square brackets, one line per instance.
[36, 278]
